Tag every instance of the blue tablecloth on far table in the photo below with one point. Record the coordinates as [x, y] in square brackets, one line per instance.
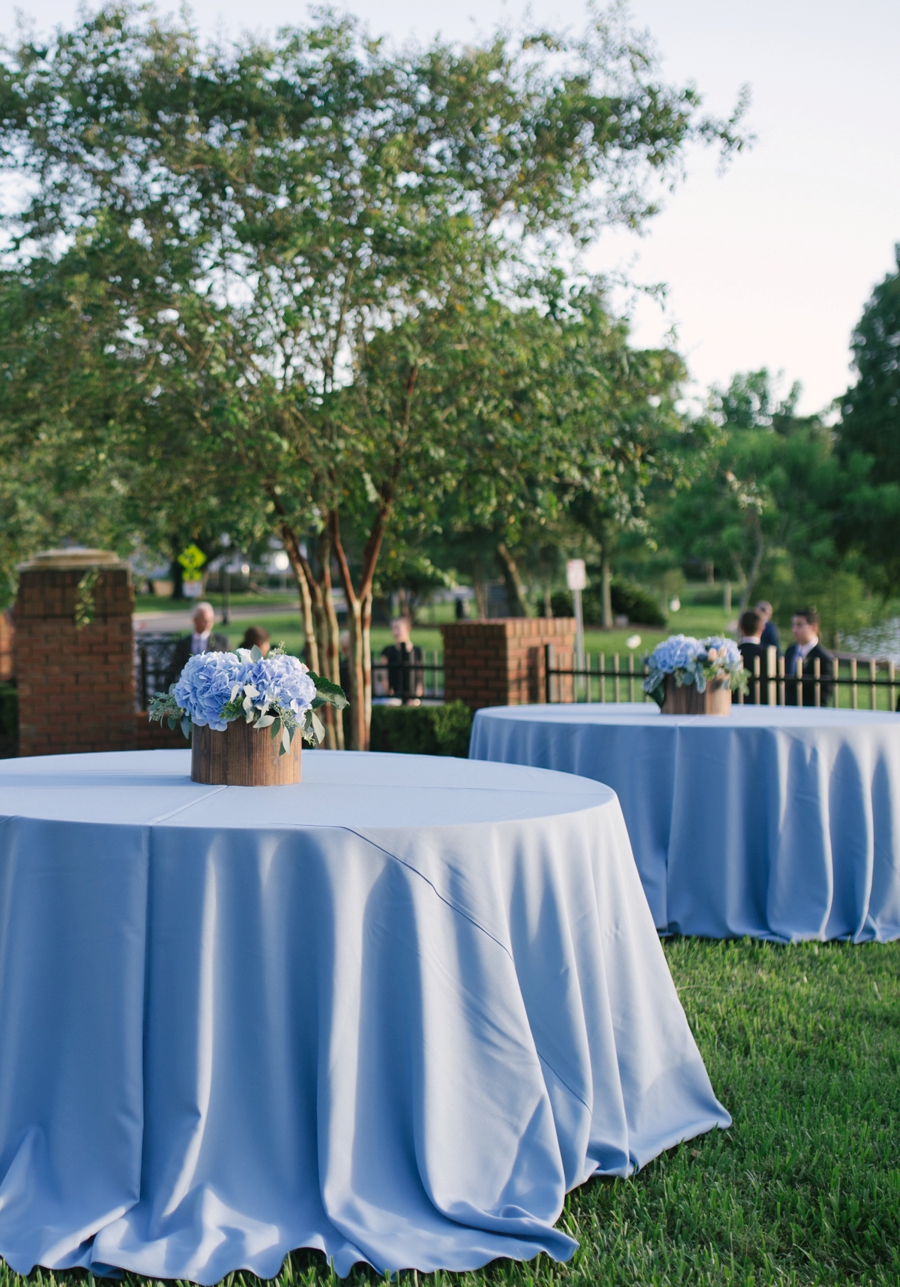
[394, 1012]
[777, 822]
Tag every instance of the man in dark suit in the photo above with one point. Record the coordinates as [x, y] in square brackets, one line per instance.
[750, 628]
[770, 630]
[806, 648]
[204, 639]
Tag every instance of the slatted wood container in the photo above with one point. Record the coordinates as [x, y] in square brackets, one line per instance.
[714, 700]
[243, 756]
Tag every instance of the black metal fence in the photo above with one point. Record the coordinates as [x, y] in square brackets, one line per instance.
[416, 679]
[411, 679]
[153, 655]
[852, 683]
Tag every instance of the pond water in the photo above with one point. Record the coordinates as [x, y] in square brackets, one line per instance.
[876, 641]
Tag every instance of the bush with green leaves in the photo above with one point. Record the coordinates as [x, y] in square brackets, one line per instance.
[9, 711]
[422, 730]
[628, 599]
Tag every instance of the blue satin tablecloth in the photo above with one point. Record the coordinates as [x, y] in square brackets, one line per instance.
[394, 1013]
[778, 822]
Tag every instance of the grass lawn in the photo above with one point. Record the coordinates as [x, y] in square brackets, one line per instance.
[803, 1047]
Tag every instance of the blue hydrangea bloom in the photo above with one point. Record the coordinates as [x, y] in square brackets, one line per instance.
[693, 661]
[206, 685]
[283, 680]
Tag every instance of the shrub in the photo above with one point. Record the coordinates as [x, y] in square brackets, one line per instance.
[422, 730]
[628, 599]
[9, 711]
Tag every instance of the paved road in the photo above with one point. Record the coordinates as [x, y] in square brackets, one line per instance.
[167, 622]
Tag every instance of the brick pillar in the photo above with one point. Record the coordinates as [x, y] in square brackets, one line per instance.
[502, 662]
[76, 686]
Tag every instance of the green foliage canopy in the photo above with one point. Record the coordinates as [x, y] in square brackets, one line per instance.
[272, 253]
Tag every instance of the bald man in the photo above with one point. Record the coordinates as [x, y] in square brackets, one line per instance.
[203, 639]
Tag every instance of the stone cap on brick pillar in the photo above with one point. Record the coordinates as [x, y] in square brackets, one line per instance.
[71, 559]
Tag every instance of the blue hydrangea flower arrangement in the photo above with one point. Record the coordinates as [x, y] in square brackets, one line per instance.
[275, 692]
[694, 661]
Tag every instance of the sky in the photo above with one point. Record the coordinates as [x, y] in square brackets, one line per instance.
[769, 264]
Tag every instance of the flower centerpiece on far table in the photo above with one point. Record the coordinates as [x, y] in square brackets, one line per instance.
[242, 696]
[695, 676]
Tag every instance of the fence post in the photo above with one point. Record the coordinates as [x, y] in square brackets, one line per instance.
[603, 676]
[853, 695]
[756, 685]
[549, 666]
[799, 673]
[782, 700]
[873, 667]
[771, 671]
[892, 702]
[631, 676]
[616, 688]
[817, 682]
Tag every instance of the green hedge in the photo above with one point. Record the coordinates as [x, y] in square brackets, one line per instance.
[9, 711]
[628, 599]
[422, 730]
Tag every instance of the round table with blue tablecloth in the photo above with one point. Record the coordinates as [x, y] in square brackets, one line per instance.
[393, 1012]
[776, 822]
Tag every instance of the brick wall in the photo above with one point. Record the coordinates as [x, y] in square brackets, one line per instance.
[76, 687]
[501, 662]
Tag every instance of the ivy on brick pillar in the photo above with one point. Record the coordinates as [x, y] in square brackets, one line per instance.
[501, 662]
[75, 653]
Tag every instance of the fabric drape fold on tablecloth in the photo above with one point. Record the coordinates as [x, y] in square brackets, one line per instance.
[395, 1045]
[780, 823]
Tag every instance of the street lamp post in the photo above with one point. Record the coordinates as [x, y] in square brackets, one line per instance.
[225, 542]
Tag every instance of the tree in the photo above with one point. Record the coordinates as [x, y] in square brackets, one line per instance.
[869, 438]
[765, 502]
[283, 238]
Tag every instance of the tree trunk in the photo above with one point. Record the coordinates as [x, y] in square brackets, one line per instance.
[177, 580]
[480, 598]
[606, 588]
[306, 585]
[515, 593]
[359, 616]
[328, 633]
[753, 574]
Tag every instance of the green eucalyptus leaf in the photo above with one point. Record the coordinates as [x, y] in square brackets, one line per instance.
[326, 691]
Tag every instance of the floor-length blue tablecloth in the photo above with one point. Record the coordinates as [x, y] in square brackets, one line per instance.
[777, 822]
[394, 1012]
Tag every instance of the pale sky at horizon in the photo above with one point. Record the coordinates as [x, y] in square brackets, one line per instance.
[771, 263]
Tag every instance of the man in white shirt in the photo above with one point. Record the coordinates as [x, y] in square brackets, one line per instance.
[806, 648]
[750, 628]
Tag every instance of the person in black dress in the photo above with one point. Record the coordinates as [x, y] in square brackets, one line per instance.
[406, 678]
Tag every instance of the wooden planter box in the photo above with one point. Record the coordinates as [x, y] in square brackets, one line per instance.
[716, 700]
[241, 756]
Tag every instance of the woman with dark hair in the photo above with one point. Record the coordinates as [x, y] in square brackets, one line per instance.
[256, 637]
